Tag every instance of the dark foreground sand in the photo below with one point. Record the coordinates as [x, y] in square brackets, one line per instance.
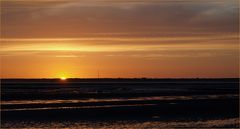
[138, 104]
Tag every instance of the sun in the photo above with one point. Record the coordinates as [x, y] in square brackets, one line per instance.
[63, 78]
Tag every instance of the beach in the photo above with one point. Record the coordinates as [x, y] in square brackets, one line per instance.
[110, 103]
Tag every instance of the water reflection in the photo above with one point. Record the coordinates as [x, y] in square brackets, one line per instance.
[194, 97]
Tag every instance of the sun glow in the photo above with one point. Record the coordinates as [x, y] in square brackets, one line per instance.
[63, 78]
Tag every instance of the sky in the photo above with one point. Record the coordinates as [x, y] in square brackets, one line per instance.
[119, 38]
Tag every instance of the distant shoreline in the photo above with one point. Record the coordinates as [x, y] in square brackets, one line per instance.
[120, 78]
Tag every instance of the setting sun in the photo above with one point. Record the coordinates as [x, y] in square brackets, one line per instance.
[63, 78]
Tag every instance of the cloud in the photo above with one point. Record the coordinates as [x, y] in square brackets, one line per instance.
[75, 18]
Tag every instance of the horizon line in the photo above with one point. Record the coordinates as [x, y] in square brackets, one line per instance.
[136, 78]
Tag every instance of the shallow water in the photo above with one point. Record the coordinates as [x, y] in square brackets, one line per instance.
[44, 103]
[16, 103]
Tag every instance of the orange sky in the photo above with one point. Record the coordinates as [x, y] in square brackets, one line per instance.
[157, 39]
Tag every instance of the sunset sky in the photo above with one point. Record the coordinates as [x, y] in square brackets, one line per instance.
[119, 38]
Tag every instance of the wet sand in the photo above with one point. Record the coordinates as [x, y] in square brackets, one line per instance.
[151, 101]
